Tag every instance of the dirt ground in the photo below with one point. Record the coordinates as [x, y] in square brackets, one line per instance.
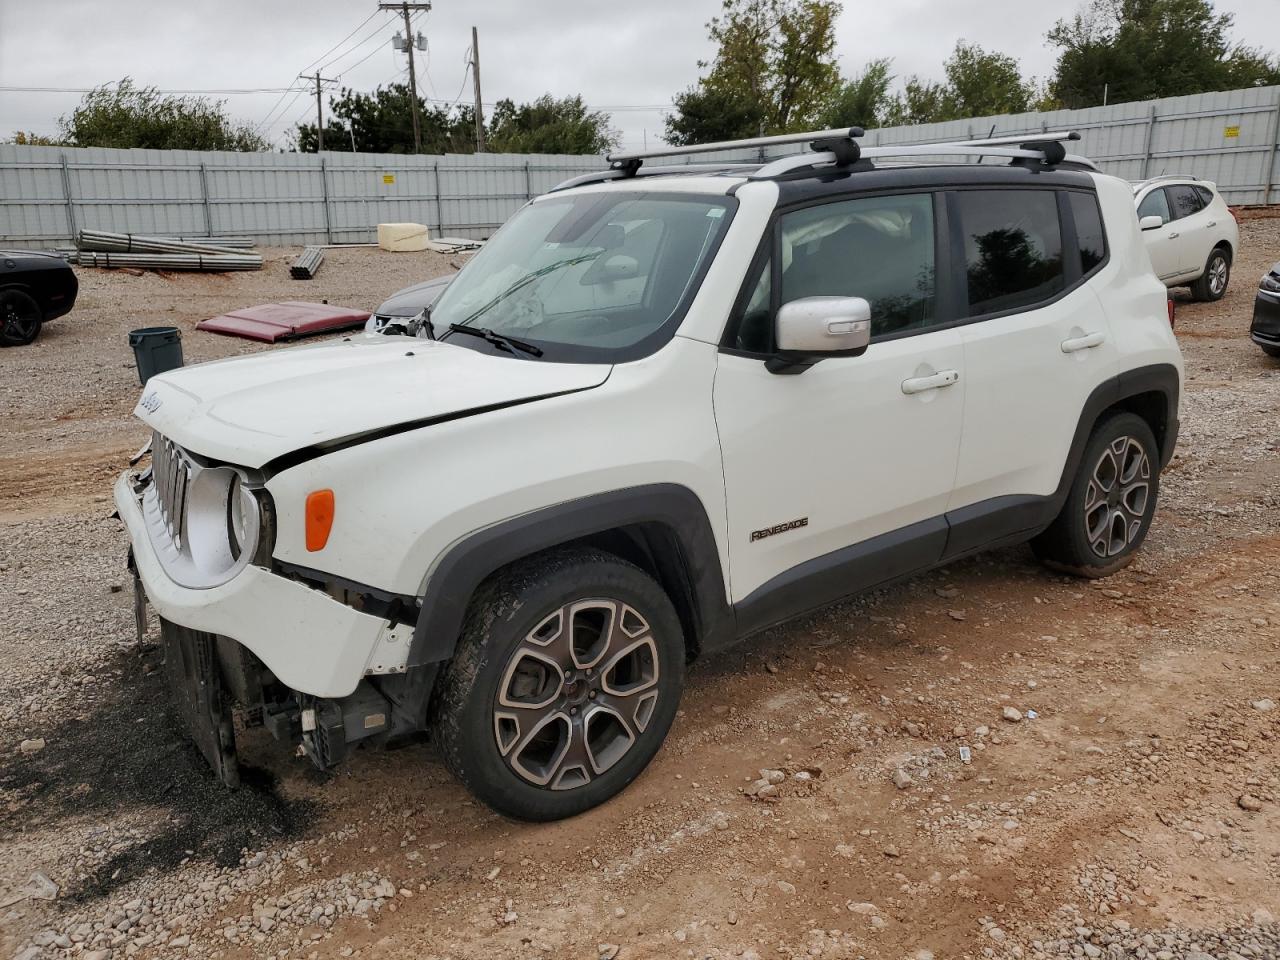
[1132, 810]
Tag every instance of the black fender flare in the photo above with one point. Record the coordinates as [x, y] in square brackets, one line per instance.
[1161, 378]
[466, 564]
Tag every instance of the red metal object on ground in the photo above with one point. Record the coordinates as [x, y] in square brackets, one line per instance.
[284, 321]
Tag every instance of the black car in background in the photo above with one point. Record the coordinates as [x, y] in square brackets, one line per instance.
[1266, 314]
[34, 289]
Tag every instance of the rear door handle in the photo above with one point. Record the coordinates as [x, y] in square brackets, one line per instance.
[1213, 223]
[943, 378]
[1073, 344]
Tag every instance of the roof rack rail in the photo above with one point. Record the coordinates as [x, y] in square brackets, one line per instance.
[603, 176]
[842, 141]
[1043, 148]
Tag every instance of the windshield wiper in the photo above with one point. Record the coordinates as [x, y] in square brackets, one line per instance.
[527, 279]
[497, 339]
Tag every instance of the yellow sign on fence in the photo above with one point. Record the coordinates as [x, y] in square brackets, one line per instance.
[1231, 132]
[391, 177]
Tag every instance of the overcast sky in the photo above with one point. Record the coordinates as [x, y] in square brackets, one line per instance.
[617, 55]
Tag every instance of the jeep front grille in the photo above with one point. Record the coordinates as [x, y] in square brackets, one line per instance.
[171, 474]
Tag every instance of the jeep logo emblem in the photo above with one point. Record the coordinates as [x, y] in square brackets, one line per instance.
[150, 402]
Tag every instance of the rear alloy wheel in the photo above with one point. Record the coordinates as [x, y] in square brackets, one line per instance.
[564, 684]
[1112, 499]
[20, 318]
[1212, 284]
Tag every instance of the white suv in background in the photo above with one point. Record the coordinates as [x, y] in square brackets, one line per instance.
[1190, 233]
[663, 409]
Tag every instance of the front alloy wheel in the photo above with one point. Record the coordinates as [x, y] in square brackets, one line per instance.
[563, 686]
[577, 694]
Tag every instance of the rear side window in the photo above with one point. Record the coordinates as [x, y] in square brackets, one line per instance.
[1155, 204]
[1206, 195]
[1090, 238]
[1184, 201]
[877, 248]
[1012, 248]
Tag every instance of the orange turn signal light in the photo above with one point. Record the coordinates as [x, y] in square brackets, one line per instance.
[319, 518]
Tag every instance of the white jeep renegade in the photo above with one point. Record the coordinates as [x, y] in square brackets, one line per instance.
[661, 410]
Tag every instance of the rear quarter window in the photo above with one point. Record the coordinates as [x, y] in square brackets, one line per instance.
[1091, 239]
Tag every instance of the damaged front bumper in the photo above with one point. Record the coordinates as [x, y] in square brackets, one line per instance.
[311, 642]
[260, 630]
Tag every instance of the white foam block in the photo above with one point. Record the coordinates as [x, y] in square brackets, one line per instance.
[402, 237]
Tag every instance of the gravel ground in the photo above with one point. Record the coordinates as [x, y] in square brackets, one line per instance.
[812, 799]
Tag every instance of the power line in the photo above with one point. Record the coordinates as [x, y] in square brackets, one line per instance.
[225, 91]
[360, 43]
[358, 28]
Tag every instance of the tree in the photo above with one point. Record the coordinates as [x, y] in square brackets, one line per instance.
[981, 83]
[862, 101]
[128, 116]
[549, 125]
[775, 63]
[382, 122]
[1140, 49]
[707, 116]
[27, 138]
[977, 84]
[921, 101]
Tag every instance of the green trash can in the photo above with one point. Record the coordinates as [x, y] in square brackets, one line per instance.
[155, 350]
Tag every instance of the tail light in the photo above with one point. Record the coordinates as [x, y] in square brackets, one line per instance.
[1170, 301]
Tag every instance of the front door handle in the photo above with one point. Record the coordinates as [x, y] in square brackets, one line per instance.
[1174, 236]
[943, 378]
[1073, 344]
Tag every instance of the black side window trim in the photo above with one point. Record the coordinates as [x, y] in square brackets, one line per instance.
[1071, 266]
[945, 315]
[951, 286]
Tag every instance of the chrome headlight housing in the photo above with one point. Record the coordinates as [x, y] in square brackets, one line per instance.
[206, 522]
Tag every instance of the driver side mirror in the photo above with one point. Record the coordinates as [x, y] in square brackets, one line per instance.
[1152, 222]
[809, 329]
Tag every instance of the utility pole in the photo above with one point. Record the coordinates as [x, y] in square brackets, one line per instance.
[318, 80]
[475, 77]
[407, 47]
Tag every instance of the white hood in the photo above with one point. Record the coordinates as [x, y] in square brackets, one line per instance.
[250, 410]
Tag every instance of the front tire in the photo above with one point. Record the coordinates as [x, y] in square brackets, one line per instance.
[1271, 351]
[1212, 284]
[1109, 507]
[563, 686]
[20, 318]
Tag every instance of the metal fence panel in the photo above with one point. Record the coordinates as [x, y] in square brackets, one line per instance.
[46, 193]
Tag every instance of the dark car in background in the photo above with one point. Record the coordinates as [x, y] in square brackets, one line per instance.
[34, 289]
[1265, 330]
[403, 305]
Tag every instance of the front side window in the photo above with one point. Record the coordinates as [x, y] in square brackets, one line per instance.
[1184, 201]
[1091, 241]
[583, 277]
[1155, 204]
[1012, 248]
[877, 248]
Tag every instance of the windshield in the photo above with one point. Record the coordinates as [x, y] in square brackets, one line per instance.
[586, 277]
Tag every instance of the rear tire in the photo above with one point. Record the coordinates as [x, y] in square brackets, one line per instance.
[1212, 284]
[563, 686]
[1271, 351]
[1109, 507]
[20, 318]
